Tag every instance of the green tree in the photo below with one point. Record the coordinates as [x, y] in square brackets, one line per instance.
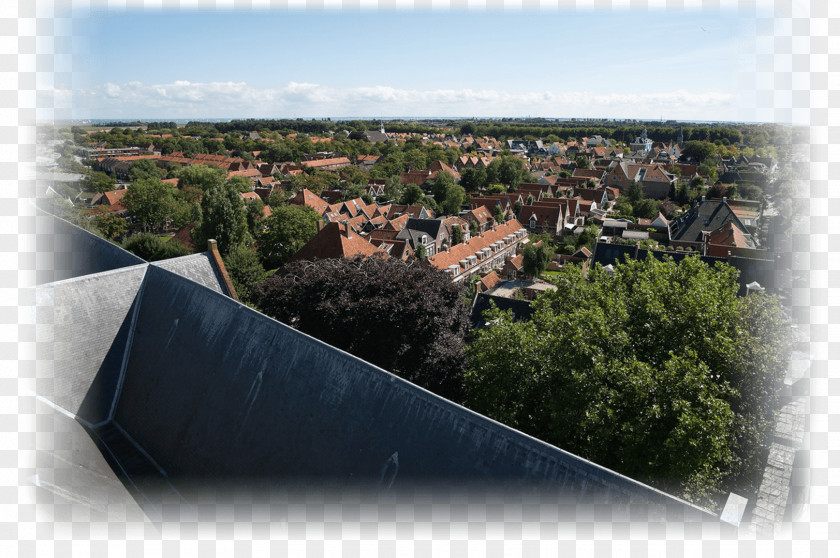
[142, 169]
[153, 248]
[99, 182]
[588, 237]
[535, 258]
[240, 184]
[646, 209]
[448, 195]
[698, 150]
[412, 195]
[222, 218]
[634, 192]
[509, 170]
[582, 162]
[499, 214]
[708, 168]
[111, 225]
[749, 191]
[152, 203]
[285, 232]
[393, 188]
[200, 176]
[659, 372]
[254, 216]
[457, 235]
[245, 270]
[474, 179]
[420, 252]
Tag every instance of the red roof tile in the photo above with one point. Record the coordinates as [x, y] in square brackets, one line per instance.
[335, 241]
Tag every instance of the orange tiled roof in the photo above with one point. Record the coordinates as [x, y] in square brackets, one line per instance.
[326, 162]
[442, 260]
[335, 241]
[490, 280]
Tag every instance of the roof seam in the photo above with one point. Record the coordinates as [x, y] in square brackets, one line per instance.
[138, 302]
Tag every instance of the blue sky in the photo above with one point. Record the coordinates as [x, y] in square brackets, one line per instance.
[603, 63]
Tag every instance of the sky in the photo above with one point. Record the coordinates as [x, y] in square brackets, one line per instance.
[642, 64]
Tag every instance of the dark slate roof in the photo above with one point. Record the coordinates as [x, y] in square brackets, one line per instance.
[375, 136]
[67, 251]
[418, 227]
[211, 389]
[707, 215]
[522, 309]
[199, 268]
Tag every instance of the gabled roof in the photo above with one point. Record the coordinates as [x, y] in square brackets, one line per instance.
[480, 214]
[595, 174]
[336, 241]
[430, 227]
[398, 223]
[112, 198]
[516, 262]
[439, 166]
[708, 216]
[590, 194]
[730, 235]
[545, 216]
[310, 199]
[395, 248]
[416, 211]
[490, 280]
[375, 136]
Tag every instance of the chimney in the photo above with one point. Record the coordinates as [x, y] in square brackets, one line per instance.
[724, 199]
[703, 198]
[213, 248]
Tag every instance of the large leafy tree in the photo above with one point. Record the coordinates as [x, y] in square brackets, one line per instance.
[99, 182]
[535, 258]
[245, 270]
[412, 194]
[285, 232]
[222, 217]
[659, 372]
[142, 169]
[111, 226]
[153, 248]
[153, 204]
[696, 150]
[509, 170]
[474, 179]
[448, 195]
[200, 176]
[406, 318]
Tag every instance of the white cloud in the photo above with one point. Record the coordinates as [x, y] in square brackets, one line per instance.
[184, 99]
